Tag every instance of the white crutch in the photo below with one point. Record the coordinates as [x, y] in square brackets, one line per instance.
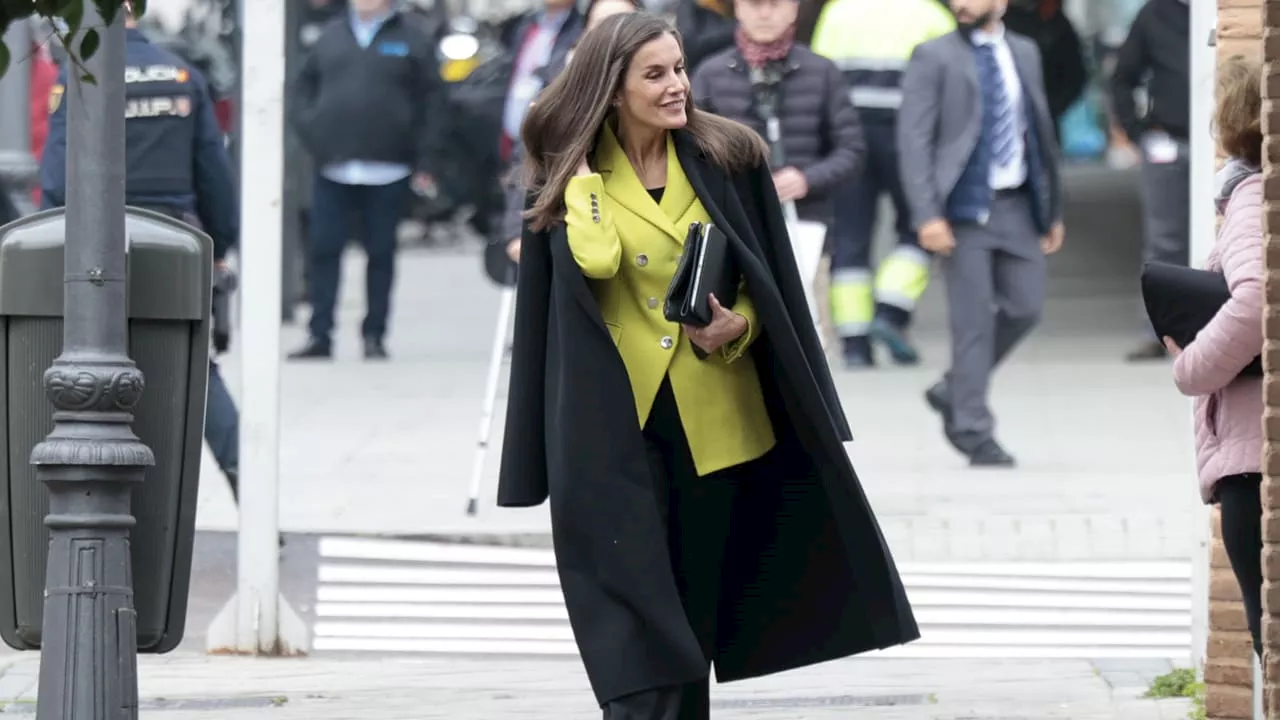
[500, 335]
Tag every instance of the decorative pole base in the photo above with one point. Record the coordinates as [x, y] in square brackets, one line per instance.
[90, 463]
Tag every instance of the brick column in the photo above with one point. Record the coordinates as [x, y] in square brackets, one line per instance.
[1271, 358]
[1228, 671]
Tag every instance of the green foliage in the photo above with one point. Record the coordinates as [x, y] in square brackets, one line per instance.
[81, 42]
[1181, 683]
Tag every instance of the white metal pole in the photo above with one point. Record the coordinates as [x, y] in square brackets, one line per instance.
[262, 185]
[257, 620]
[1204, 18]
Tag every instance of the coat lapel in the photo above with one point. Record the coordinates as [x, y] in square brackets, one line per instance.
[623, 186]
[706, 182]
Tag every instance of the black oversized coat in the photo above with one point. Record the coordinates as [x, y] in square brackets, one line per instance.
[807, 576]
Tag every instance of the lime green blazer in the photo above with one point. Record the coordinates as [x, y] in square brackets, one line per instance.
[628, 246]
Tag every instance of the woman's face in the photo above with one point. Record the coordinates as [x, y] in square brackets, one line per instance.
[655, 91]
[607, 8]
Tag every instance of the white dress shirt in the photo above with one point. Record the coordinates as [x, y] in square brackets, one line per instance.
[1013, 174]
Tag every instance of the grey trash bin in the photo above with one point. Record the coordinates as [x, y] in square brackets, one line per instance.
[168, 276]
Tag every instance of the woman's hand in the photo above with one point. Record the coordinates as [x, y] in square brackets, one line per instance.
[1172, 346]
[583, 168]
[726, 326]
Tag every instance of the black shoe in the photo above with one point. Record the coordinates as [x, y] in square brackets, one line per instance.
[374, 349]
[1147, 351]
[315, 349]
[857, 353]
[940, 402]
[988, 453]
[893, 338]
[937, 399]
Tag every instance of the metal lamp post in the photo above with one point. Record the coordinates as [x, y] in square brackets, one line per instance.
[92, 459]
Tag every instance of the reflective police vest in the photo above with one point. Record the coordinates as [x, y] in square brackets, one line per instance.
[871, 42]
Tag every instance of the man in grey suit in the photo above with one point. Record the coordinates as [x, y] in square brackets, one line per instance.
[979, 162]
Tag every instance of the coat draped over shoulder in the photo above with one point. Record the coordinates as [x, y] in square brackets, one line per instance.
[807, 577]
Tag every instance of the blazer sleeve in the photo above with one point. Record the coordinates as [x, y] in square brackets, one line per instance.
[1233, 338]
[522, 477]
[917, 127]
[593, 239]
[787, 275]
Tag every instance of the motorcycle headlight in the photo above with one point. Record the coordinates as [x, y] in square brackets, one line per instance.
[459, 47]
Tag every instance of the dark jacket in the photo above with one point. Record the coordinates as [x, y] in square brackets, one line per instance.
[376, 104]
[1065, 74]
[1158, 52]
[821, 134]
[175, 159]
[704, 32]
[807, 577]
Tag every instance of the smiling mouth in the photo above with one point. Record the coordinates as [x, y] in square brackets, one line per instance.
[674, 104]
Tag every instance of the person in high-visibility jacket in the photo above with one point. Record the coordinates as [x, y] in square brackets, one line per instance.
[871, 41]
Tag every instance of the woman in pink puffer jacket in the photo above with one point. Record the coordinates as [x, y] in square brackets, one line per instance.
[1228, 406]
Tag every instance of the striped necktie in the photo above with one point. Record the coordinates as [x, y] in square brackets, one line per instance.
[999, 118]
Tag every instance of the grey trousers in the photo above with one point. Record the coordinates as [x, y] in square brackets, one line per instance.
[1166, 214]
[995, 280]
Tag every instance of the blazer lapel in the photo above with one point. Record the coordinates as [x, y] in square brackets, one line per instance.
[1025, 64]
[966, 61]
[623, 186]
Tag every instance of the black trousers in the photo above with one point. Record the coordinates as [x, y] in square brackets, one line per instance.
[1240, 499]
[696, 511]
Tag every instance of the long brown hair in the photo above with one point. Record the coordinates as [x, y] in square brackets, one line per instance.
[563, 126]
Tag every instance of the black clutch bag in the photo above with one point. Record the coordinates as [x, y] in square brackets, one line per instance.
[706, 268]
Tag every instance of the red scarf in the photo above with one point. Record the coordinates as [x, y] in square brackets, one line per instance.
[757, 54]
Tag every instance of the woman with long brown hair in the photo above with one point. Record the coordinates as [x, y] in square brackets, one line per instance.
[704, 510]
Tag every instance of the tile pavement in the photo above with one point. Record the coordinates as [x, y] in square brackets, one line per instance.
[188, 687]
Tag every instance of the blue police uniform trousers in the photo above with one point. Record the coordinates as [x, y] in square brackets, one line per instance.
[222, 424]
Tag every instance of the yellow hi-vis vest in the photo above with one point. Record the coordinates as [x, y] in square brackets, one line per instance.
[872, 40]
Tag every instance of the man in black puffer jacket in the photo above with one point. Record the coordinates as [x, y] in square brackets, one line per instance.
[767, 80]
[821, 142]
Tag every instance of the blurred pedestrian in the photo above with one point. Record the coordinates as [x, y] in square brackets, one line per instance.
[1229, 405]
[797, 101]
[703, 506]
[597, 12]
[366, 105]
[871, 40]
[706, 27]
[175, 164]
[1157, 56]
[1065, 73]
[542, 41]
[979, 159]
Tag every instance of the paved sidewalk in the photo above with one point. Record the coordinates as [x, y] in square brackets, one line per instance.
[1105, 449]
[192, 687]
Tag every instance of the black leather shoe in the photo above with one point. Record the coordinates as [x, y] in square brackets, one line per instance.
[936, 397]
[857, 353]
[315, 349]
[374, 349]
[988, 453]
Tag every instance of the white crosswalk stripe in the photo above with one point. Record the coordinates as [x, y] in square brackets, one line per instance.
[419, 597]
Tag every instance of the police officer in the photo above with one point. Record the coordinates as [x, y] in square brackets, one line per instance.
[871, 41]
[176, 163]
